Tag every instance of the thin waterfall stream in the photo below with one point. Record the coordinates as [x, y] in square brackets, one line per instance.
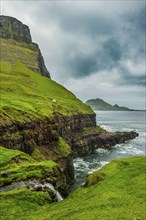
[32, 185]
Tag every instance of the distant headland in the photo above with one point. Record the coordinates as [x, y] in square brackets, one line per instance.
[100, 105]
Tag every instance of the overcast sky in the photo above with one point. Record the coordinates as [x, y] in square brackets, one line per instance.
[96, 49]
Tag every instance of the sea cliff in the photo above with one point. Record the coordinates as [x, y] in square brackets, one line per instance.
[39, 116]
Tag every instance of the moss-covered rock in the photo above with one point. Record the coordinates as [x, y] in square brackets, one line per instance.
[17, 166]
[11, 28]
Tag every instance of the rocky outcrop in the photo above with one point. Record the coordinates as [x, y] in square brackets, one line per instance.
[87, 143]
[41, 133]
[68, 125]
[11, 28]
[20, 39]
[42, 68]
[81, 133]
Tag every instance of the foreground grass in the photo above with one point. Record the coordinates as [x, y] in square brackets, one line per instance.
[32, 199]
[117, 191]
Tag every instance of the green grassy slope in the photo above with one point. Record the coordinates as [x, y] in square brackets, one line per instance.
[117, 191]
[25, 91]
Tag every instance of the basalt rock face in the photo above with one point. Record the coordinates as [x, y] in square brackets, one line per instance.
[19, 38]
[86, 144]
[39, 133]
[45, 135]
[11, 28]
[68, 125]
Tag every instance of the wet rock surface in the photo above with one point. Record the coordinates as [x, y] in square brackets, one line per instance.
[87, 144]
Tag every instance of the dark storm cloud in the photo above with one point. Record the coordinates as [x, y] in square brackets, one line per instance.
[114, 37]
[84, 64]
[128, 78]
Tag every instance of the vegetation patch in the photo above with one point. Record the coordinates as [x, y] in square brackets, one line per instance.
[96, 130]
[63, 147]
[17, 166]
[37, 155]
[16, 204]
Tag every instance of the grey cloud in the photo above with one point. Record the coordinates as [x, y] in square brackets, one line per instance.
[105, 58]
[131, 79]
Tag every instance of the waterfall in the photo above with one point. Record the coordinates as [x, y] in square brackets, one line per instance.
[31, 185]
[58, 195]
[48, 185]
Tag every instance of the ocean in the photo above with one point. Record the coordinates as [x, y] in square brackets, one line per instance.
[113, 121]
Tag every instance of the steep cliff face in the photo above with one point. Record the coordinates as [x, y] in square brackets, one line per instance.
[46, 136]
[19, 38]
[11, 28]
[51, 136]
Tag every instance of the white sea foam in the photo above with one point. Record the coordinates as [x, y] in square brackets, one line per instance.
[102, 150]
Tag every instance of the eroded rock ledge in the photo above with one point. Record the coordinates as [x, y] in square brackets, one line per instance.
[87, 144]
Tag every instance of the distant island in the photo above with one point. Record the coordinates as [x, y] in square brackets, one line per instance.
[100, 104]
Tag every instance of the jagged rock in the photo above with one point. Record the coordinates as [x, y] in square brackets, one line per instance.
[11, 28]
[42, 67]
[86, 144]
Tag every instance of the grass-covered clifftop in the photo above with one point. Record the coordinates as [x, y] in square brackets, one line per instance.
[26, 93]
[117, 191]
